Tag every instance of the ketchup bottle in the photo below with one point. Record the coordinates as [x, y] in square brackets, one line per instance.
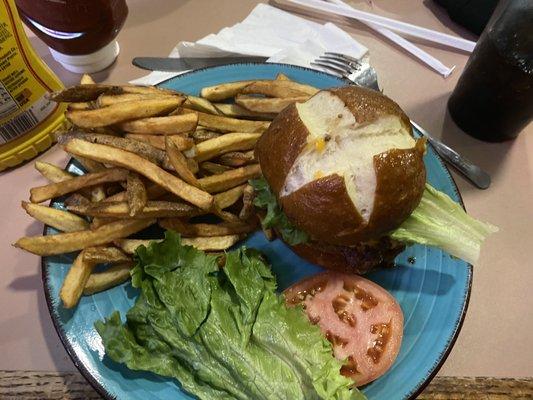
[81, 34]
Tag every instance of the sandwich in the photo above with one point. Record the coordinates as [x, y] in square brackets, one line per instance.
[344, 183]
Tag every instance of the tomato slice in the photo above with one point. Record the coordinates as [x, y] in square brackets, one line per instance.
[362, 320]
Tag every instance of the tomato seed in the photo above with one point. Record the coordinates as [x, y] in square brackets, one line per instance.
[378, 345]
[350, 368]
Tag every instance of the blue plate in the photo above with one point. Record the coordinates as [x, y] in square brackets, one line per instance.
[433, 291]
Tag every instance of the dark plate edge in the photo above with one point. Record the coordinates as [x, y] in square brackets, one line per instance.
[98, 387]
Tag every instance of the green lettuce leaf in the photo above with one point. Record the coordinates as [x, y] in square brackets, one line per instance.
[223, 334]
[275, 217]
[441, 222]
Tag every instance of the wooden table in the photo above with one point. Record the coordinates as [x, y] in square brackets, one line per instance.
[495, 340]
[32, 385]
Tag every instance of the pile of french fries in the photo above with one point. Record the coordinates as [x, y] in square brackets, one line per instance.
[152, 156]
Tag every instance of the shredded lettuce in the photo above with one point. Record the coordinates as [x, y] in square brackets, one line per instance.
[275, 218]
[441, 222]
[222, 333]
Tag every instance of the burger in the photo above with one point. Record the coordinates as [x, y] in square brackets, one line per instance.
[343, 176]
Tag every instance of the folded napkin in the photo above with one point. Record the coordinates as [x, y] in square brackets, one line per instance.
[268, 32]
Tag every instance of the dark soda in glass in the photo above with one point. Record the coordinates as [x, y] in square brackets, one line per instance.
[493, 100]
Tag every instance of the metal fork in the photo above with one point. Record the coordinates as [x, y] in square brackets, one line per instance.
[360, 73]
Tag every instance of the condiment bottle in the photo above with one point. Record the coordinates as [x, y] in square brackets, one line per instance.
[27, 118]
[81, 34]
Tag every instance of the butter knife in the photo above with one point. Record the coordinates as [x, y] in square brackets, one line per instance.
[474, 173]
[186, 63]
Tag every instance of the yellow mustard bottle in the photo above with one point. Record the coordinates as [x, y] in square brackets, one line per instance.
[27, 118]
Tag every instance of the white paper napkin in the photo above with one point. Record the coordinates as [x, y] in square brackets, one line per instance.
[269, 32]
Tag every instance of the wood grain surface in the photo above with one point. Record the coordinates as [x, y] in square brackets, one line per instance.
[35, 385]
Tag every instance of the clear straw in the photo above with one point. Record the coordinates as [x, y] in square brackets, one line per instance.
[389, 23]
[426, 58]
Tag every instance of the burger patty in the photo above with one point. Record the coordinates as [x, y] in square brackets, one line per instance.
[359, 258]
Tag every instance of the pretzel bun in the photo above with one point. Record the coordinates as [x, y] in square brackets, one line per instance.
[344, 165]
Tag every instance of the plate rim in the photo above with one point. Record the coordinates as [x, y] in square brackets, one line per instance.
[102, 391]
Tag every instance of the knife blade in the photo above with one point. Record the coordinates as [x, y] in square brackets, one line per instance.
[187, 63]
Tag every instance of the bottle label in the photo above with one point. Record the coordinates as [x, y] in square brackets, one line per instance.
[23, 101]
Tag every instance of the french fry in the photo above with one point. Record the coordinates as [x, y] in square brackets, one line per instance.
[279, 88]
[282, 77]
[142, 149]
[158, 141]
[108, 211]
[223, 91]
[153, 209]
[236, 158]
[179, 162]
[229, 179]
[267, 104]
[121, 112]
[192, 164]
[142, 166]
[52, 172]
[89, 92]
[113, 276]
[47, 192]
[203, 230]
[82, 105]
[247, 200]
[213, 168]
[236, 111]
[226, 124]
[182, 111]
[201, 135]
[107, 130]
[129, 246]
[120, 196]
[72, 241]
[200, 104]
[229, 197]
[86, 79]
[137, 196]
[105, 255]
[97, 193]
[226, 216]
[169, 125]
[153, 191]
[83, 93]
[90, 165]
[59, 219]
[149, 90]
[75, 281]
[56, 174]
[224, 144]
[105, 100]
[97, 222]
[76, 199]
[214, 243]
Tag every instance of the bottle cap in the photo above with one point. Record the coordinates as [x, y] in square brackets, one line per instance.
[88, 63]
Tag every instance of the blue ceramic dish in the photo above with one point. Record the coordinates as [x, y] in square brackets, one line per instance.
[433, 291]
